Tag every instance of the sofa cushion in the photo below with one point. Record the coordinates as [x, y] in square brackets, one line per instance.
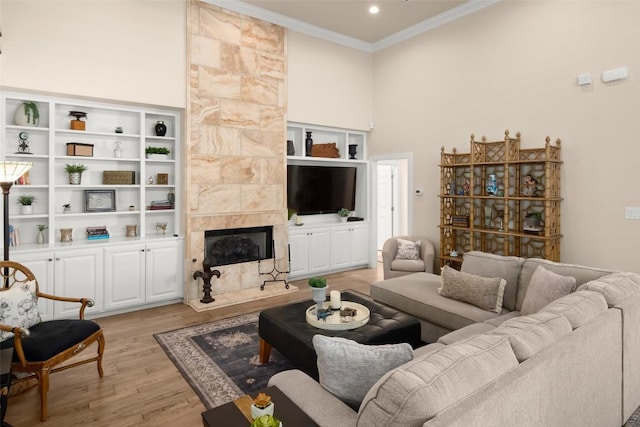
[407, 265]
[483, 292]
[578, 307]
[530, 334]
[348, 369]
[545, 286]
[497, 321]
[465, 333]
[614, 287]
[18, 307]
[416, 391]
[581, 273]
[408, 250]
[490, 265]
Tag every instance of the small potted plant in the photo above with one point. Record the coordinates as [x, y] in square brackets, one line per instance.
[319, 288]
[266, 421]
[262, 405]
[26, 200]
[533, 221]
[75, 172]
[343, 213]
[27, 114]
[40, 236]
[157, 152]
[66, 208]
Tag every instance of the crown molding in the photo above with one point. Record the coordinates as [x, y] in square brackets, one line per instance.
[312, 30]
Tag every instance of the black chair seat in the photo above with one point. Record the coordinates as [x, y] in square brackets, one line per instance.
[52, 337]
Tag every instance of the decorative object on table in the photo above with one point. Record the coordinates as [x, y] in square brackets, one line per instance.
[533, 223]
[319, 289]
[132, 208]
[161, 226]
[160, 128]
[530, 186]
[492, 185]
[66, 208]
[27, 114]
[119, 177]
[132, 230]
[40, 237]
[26, 200]
[353, 150]
[97, 233]
[23, 143]
[117, 150]
[99, 200]
[206, 275]
[78, 123]
[308, 145]
[162, 179]
[79, 149]
[66, 235]
[291, 149]
[298, 221]
[453, 253]
[157, 153]
[262, 405]
[334, 299]
[119, 129]
[343, 213]
[150, 180]
[327, 150]
[266, 421]
[75, 172]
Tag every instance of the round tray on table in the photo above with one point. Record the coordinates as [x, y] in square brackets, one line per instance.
[335, 322]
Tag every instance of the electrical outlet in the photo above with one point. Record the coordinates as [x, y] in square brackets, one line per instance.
[632, 213]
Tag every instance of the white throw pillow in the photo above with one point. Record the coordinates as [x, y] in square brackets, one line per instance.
[486, 293]
[408, 250]
[544, 287]
[348, 369]
[18, 307]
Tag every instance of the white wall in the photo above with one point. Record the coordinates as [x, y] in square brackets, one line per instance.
[328, 84]
[129, 50]
[514, 65]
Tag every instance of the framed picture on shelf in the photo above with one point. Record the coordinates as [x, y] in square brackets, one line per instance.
[99, 200]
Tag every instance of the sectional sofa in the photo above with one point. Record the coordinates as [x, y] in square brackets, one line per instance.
[573, 362]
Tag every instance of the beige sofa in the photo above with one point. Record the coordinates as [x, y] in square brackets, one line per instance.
[573, 363]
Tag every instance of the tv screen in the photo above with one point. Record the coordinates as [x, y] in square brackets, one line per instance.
[320, 189]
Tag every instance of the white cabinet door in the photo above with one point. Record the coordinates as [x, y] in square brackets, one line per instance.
[359, 245]
[41, 265]
[124, 276]
[319, 247]
[340, 244]
[78, 274]
[163, 271]
[299, 250]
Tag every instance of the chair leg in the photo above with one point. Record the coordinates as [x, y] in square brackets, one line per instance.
[43, 388]
[100, 353]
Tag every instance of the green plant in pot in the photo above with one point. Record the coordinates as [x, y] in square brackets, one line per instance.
[75, 172]
[533, 221]
[266, 421]
[343, 213]
[157, 150]
[27, 114]
[26, 200]
[319, 288]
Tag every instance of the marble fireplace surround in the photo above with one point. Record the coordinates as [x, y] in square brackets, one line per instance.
[235, 159]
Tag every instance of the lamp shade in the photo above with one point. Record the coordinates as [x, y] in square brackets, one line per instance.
[10, 171]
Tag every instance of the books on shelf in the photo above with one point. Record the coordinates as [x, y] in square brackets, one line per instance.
[96, 233]
[25, 179]
[14, 236]
[160, 204]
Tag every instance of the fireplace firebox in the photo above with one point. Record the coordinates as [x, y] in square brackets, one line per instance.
[236, 245]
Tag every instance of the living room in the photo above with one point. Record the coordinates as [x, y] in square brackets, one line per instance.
[511, 65]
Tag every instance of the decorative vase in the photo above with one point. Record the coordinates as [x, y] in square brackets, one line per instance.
[66, 235]
[132, 230]
[344, 218]
[291, 150]
[257, 412]
[40, 237]
[308, 145]
[319, 296]
[66, 209]
[27, 114]
[353, 150]
[161, 128]
[117, 151]
[75, 178]
[27, 209]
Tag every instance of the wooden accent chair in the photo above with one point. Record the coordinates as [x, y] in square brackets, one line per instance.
[41, 348]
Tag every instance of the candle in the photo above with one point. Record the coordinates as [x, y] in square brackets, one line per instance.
[335, 300]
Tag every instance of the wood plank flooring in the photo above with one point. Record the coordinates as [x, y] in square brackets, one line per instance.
[141, 386]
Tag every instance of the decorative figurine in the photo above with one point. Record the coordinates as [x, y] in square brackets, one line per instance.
[530, 186]
[150, 180]
[23, 144]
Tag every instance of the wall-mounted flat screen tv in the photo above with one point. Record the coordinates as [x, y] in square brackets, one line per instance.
[320, 189]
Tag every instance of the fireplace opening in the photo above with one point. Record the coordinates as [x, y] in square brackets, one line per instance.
[236, 245]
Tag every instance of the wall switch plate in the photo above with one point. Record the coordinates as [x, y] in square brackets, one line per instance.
[631, 213]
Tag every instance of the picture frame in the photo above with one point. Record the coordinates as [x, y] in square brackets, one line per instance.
[99, 200]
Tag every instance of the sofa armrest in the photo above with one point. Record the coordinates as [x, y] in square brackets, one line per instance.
[313, 399]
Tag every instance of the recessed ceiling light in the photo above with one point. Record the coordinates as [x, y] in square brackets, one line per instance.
[374, 9]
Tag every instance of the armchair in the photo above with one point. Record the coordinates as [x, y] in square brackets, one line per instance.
[41, 347]
[400, 267]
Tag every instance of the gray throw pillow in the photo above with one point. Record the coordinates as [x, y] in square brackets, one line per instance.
[408, 250]
[544, 287]
[348, 369]
[483, 292]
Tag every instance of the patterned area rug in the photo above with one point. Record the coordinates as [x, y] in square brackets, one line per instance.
[220, 359]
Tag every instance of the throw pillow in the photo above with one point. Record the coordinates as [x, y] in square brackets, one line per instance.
[18, 307]
[348, 369]
[483, 292]
[544, 287]
[408, 250]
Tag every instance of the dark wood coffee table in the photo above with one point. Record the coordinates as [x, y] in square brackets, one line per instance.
[238, 412]
[286, 329]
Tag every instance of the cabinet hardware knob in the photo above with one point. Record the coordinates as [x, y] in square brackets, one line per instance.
[57, 259]
[49, 259]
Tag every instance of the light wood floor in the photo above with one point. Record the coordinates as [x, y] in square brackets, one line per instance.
[141, 386]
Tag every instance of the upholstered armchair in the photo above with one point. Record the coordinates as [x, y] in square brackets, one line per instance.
[41, 348]
[394, 267]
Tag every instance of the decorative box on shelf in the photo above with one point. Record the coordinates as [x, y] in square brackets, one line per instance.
[162, 179]
[460, 220]
[119, 177]
[79, 149]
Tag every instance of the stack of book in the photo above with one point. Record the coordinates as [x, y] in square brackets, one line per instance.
[96, 233]
[14, 237]
[160, 204]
